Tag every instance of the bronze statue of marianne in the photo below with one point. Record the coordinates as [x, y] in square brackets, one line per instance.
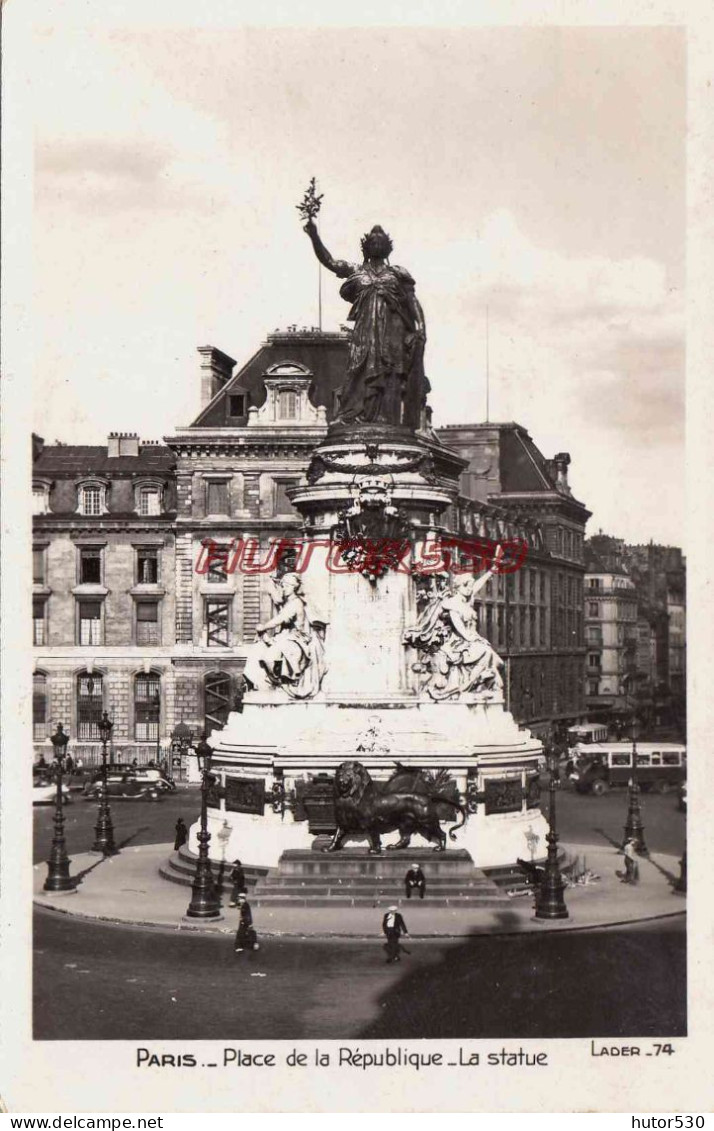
[385, 381]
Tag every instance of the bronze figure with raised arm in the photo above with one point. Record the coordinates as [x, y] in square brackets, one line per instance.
[385, 381]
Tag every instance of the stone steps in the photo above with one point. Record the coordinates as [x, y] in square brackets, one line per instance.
[352, 878]
[181, 866]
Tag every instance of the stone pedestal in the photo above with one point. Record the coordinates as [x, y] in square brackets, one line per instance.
[371, 705]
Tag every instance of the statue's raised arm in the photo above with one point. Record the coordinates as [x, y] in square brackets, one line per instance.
[385, 381]
[339, 267]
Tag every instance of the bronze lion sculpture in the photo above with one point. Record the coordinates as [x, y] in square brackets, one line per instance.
[406, 803]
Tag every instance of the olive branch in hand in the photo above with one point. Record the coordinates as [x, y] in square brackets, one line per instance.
[310, 203]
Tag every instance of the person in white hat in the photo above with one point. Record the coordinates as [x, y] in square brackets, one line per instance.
[632, 871]
[393, 926]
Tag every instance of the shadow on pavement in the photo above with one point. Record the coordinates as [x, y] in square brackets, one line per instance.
[589, 984]
[79, 876]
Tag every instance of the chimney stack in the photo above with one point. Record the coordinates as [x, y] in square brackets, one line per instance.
[216, 370]
[562, 462]
[123, 444]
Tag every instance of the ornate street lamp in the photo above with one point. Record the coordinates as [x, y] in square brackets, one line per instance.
[58, 877]
[205, 903]
[550, 903]
[634, 829]
[104, 829]
[156, 703]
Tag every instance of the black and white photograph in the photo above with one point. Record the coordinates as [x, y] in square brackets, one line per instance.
[355, 716]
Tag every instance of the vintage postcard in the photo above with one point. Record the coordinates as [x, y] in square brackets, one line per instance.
[354, 760]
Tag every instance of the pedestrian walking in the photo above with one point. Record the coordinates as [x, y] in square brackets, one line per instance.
[237, 878]
[246, 938]
[632, 868]
[414, 878]
[69, 764]
[181, 834]
[393, 927]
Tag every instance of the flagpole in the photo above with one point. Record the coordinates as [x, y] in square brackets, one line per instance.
[488, 375]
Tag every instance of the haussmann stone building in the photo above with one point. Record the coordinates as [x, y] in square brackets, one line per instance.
[123, 621]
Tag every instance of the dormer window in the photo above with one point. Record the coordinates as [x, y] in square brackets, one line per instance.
[92, 499]
[287, 404]
[237, 404]
[148, 497]
[40, 497]
[149, 501]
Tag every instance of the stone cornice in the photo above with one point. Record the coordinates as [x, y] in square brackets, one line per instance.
[267, 442]
[545, 501]
[101, 524]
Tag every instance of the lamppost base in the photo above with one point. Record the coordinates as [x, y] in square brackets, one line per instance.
[60, 884]
[555, 914]
[188, 917]
[549, 901]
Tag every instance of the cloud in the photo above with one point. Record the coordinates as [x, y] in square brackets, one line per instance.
[604, 336]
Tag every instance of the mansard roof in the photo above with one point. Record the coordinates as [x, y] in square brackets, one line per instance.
[71, 461]
[323, 354]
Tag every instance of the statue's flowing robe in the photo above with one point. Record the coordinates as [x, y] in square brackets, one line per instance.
[385, 379]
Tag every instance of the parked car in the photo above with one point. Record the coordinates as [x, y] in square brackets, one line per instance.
[44, 792]
[125, 787]
[143, 775]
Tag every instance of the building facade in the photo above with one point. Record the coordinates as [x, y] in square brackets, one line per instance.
[103, 589]
[660, 577]
[635, 620]
[142, 608]
[614, 637]
[541, 606]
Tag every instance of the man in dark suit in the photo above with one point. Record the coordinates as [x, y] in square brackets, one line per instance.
[238, 881]
[414, 878]
[246, 938]
[393, 927]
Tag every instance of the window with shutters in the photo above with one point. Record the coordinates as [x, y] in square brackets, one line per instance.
[147, 566]
[90, 699]
[217, 623]
[38, 565]
[216, 497]
[282, 500]
[39, 628]
[217, 700]
[39, 706]
[147, 706]
[217, 572]
[90, 622]
[287, 405]
[149, 501]
[147, 622]
[90, 565]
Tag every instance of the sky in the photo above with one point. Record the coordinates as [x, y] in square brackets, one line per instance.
[535, 172]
